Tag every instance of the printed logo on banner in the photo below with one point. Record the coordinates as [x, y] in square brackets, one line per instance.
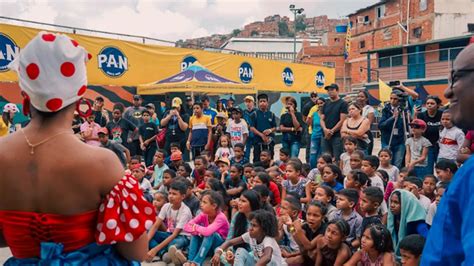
[187, 61]
[288, 77]
[245, 72]
[112, 61]
[320, 79]
[8, 51]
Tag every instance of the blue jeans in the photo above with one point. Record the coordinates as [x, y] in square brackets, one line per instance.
[180, 241]
[245, 258]
[398, 152]
[293, 146]
[432, 156]
[333, 146]
[315, 150]
[200, 247]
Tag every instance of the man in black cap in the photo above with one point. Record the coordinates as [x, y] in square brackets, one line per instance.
[332, 117]
[134, 115]
[263, 125]
[101, 115]
[188, 108]
[153, 116]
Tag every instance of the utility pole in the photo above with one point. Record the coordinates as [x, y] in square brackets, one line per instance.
[296, 11]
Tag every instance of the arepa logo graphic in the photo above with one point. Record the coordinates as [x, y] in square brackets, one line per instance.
[8, 51]
[320, 79]
[187, 61]
[245, 72]
[288, 77]
[112, 61]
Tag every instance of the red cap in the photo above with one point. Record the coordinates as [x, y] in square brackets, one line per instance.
[103, 130]
[418, 123]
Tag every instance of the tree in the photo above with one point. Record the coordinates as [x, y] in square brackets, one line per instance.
[236, 32]
[300, 24]
[254, 33]
[283, 28]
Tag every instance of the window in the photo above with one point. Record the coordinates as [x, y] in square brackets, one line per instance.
[362, 44]
[470, 27]
[423, 5]
[366, 19]
[449, 51]
[337, 40]
[329, 64]
[380, 11]
[390, 58]
[417, 32]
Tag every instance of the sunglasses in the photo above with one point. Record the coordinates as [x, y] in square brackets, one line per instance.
[416, 126]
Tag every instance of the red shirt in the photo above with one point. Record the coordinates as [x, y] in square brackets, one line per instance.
[276, 193]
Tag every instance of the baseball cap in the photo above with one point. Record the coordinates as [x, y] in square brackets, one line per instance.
[236, 109]
[176, 156]
[150, 105]
[204, 98]
[231, 99]
[418, 123]
[221, 115]
[332, 86]
[176, 102]
[137, 97]
[222, 160]
[103, 130]
[188, 98]
[249, 98]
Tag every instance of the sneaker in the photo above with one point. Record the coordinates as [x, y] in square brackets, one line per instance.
[166, 258]
[176, 255]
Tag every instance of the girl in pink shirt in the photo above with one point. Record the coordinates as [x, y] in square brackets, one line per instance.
[208, 229]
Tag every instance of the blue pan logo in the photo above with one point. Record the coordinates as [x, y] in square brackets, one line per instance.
[8, 51]
[245, 72]
[187, 61]
[288, 77]
[320, 79]
[112, 61]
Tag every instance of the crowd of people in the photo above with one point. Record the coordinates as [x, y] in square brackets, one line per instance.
[224, 193]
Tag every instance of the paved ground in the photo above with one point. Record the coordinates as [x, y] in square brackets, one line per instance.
[5, 252]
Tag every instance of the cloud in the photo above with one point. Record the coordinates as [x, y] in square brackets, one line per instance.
[168, 19]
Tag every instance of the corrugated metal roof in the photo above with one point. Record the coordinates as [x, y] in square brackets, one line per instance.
[369, 7]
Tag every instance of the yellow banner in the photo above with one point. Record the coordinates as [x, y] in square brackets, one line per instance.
[124, 63]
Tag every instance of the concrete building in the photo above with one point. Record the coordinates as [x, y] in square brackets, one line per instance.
[410, 40]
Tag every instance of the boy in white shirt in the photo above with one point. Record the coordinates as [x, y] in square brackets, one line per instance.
[414, 185]
[451, 138]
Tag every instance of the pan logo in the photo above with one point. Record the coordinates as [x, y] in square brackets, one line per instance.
[320, 79]
[8, 51]
[112, 61]
[288, 77]
[187, 61]
[245, 72]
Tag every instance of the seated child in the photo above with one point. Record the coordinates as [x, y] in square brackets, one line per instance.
[239, 157]
[411, 248]
[261, 238]
[265, 159]
[332, 248]
[159, 168]
[445, 170]
[350, 145]
[139, 173]
[184, 171]
[225, 149]
[168, 177]
[224, 165]
[190, 200]
[289, 212]
[370, 201]
[331, 175]
[376, 248]
[200, 166]
[176, 160]
[398, 184]
[264, 194]
[415, 186]
[235, 185]
[385, 157]
[326, 195]
[159, 200]
[429, 187]
[208, 230]
[263, 178]
[370, 163]
[356, 159]
[358, 180]
[440, 189]
[295, 182]
[345, 203]
[316, 173]
[176, 214]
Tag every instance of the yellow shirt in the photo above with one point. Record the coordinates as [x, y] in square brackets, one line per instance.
[313, 110]
[4, 128]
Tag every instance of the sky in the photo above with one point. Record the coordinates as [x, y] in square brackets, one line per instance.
[167, 19]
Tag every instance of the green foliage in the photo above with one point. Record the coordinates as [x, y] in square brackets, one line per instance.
[283, 29]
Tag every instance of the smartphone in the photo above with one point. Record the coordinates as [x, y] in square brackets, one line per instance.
[394, 83]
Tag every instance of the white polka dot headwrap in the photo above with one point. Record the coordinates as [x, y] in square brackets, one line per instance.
[52, 71]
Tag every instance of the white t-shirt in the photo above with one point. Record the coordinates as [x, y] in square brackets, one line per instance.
[376, 181]
[346, 165]
[237, 131]
[367, 110]
[257, 248]
[416, 149]
[431, 213]
[450, 141]
[293, 245]
[425, 202]
[145, 185]
[175, 218]
[392, 172]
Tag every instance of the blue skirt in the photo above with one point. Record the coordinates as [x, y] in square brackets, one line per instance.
[92, 254]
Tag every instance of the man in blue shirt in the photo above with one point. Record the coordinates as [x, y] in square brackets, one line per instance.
[207, 110]
[451, 238]
[247, 115]
[263, 125]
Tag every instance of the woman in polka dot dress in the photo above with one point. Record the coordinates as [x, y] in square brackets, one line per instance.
[63, 202]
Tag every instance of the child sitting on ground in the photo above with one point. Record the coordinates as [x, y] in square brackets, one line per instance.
[295, 182]
[159, 168]
[331, 175]
[440, 189]
[445, 170]
[385, 158]
[415, 186]
[184, 171]
[369, 166]
[376, 248]
[168, 177]
[326, 195]
[265, 160]
[371, 199]
[264, 194]
[398, 184]
[356, 160]
[225, 150]
[332, 248]
[263, 178]
[200, 166]
[208, 230]
[190, 200]
[345, 203]
[239, 157]
[139, 173]
[176, 214]
[411, 248]
[429, 187]
[289, 213]
[159, 200]
[317, 173]
[350, 145]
